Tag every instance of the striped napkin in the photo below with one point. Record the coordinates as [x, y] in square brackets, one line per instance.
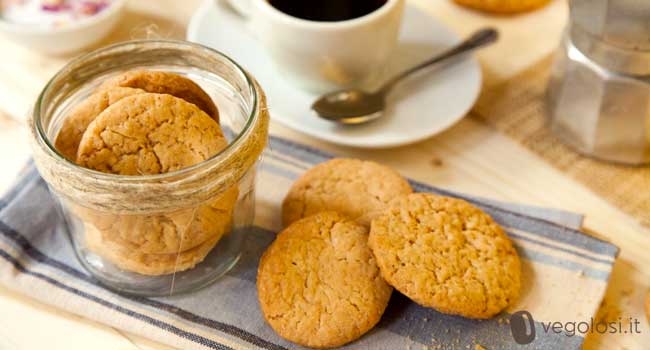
[565, 274]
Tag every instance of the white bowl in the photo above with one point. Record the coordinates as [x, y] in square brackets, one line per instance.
[68, 38]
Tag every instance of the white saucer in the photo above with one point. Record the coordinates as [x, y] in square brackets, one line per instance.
[420, 107]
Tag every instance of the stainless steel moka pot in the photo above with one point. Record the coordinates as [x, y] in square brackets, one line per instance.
[599, 91]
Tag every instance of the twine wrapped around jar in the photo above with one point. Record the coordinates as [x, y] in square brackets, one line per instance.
[143, 194]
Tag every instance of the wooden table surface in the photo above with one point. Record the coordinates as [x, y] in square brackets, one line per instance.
[470, 157]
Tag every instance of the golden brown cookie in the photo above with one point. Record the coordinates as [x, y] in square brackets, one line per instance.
[147, 264]
[356, 188]
[318, 284]
[165, 83]
[148, 134]
[168, 233]
[446, 254]
[503, 6]
[76, 122]
[152, 134]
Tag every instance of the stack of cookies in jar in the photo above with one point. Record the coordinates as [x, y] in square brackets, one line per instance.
[354, 232]
[147, 123]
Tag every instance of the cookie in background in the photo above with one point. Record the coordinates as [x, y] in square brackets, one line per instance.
[503, 6]
[165, 83]
[358, 189]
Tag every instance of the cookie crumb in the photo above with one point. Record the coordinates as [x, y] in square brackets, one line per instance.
[479, 347]
[436, 162]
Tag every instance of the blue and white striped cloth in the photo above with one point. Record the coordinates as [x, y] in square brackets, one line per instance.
[565, 274]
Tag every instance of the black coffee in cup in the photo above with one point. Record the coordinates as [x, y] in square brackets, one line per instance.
[327, 10]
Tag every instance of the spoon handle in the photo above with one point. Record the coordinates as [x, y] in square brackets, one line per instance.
[481, 38]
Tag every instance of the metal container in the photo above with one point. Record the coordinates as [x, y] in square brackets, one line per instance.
[599, 91]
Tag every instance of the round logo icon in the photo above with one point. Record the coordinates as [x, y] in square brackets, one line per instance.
[522, 326]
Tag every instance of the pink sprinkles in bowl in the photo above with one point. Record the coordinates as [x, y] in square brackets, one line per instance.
[50, 13]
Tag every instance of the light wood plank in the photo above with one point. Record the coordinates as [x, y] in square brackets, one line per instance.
[469, 157]
[26, 325]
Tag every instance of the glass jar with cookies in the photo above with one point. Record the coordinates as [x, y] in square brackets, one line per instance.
[150, 147]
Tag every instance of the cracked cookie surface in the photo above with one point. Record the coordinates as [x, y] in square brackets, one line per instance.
[153, 134]
[446, 254]
[358, 189]
[147, 264]
[318, 283]
[147, 134]
[77, 121]
[165, 83]
[166, 233]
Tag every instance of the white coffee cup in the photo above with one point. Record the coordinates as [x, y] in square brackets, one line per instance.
[325, 56]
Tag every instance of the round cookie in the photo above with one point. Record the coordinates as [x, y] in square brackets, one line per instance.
[446, 254]
[168, 233]
[147, 264]
[318, 284]
[147, 134]
[503, 6]
[151, 134]
[356, 188]
[165, 83]
[76, 122]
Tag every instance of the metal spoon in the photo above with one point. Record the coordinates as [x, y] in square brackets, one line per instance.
[354, 106]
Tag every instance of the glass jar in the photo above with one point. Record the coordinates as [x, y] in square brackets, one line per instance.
[166, 233]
